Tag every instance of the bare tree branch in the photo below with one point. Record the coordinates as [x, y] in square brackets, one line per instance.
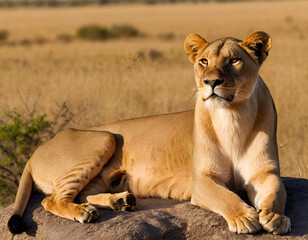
[15, 180]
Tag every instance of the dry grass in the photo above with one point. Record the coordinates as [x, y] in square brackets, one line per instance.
[109, 81]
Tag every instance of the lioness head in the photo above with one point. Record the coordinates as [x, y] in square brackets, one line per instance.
[226, 70]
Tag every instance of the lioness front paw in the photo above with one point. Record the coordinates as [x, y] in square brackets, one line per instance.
[245, 223]
[123, 201]
[275, 223]
[87, 213]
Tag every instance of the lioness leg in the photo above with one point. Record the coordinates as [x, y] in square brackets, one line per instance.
[269, 197]
[210, 175]
[123, 201]
[66, 208]
[79, 156]
[95, 192]
[208, 194]
[61, 202]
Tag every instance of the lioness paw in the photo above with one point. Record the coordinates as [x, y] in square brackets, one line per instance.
[123, 201]
[87, 213]
[275, 223]
[245, 223]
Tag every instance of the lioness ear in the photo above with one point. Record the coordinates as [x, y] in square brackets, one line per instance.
[194, 45]
[259, 43]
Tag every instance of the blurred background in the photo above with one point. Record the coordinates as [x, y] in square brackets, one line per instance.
[74, 63]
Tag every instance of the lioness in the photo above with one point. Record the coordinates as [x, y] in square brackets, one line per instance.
[226, 145]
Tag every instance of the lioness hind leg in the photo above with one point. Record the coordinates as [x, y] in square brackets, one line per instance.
[82, 213]
[123, 201]
[61, 202]
[84, 154]
[117, 198]
[67, 187]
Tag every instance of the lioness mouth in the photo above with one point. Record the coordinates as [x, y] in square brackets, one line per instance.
[228, 99]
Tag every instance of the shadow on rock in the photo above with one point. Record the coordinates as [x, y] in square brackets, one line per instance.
[297, 205]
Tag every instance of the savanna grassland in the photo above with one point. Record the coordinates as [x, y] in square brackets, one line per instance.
[106, 81]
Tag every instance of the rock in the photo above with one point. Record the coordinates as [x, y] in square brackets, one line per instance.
[155, 219]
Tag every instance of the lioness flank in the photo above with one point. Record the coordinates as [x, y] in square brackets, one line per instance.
[226, 146]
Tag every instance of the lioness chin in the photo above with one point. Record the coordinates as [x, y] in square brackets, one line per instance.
[227, 144]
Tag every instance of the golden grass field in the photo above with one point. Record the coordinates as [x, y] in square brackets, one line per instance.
[109, 81]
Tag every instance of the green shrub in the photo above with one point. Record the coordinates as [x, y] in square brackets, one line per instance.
[20, 135]
[18, 139]
[93, 32]
[118, 31]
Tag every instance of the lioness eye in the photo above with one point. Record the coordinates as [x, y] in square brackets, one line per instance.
[235, 61]
[203, 61]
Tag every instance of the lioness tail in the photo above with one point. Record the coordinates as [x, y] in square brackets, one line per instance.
[15, 224]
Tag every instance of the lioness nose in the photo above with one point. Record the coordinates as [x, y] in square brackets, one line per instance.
[213, 83]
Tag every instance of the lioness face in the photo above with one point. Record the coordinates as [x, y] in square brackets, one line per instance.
[226, 70]
[225, 73]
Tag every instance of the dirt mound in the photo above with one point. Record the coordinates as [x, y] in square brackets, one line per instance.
[155, 219]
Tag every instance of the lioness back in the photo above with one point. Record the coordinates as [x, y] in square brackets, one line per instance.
[156, 153]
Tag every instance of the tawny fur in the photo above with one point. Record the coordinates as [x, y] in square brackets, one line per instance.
[227, 145]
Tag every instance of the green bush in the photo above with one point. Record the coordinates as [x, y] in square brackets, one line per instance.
[20, 135]
[18, 139]
[93, 32]
[118, 31]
